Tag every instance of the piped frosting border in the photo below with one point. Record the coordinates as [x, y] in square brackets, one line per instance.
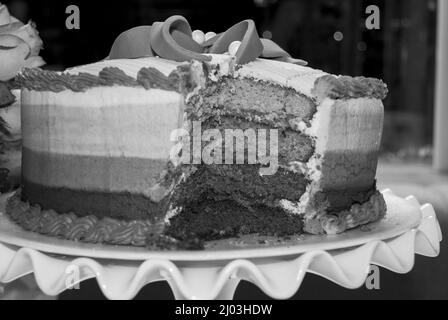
[325, 85]
[141, 233]
[86, 229]
[148, 78]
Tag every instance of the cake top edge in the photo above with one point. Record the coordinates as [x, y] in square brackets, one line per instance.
[158, 73]
[132, 66]
[52, 81]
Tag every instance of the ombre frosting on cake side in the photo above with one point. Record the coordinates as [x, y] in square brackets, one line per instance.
[98, 145]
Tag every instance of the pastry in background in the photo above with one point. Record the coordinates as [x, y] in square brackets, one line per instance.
[20, 45]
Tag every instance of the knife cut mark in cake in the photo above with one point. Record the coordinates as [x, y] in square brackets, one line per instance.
[97, 143]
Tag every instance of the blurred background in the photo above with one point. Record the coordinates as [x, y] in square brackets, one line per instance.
[329, 34]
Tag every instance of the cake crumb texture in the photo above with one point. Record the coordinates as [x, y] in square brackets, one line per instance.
[211, 220]
[255, 101]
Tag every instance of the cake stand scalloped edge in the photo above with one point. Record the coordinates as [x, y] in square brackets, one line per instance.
[279, 278]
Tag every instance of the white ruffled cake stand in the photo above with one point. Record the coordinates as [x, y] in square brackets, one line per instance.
[278, 269]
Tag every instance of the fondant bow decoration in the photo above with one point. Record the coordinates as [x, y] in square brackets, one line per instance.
[173, 40]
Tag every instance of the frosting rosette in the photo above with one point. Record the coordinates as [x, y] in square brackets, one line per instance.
[20, 45]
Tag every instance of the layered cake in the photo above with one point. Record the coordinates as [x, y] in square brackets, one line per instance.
[176, 139]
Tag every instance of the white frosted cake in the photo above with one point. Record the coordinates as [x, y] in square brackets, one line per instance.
[106, 149]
